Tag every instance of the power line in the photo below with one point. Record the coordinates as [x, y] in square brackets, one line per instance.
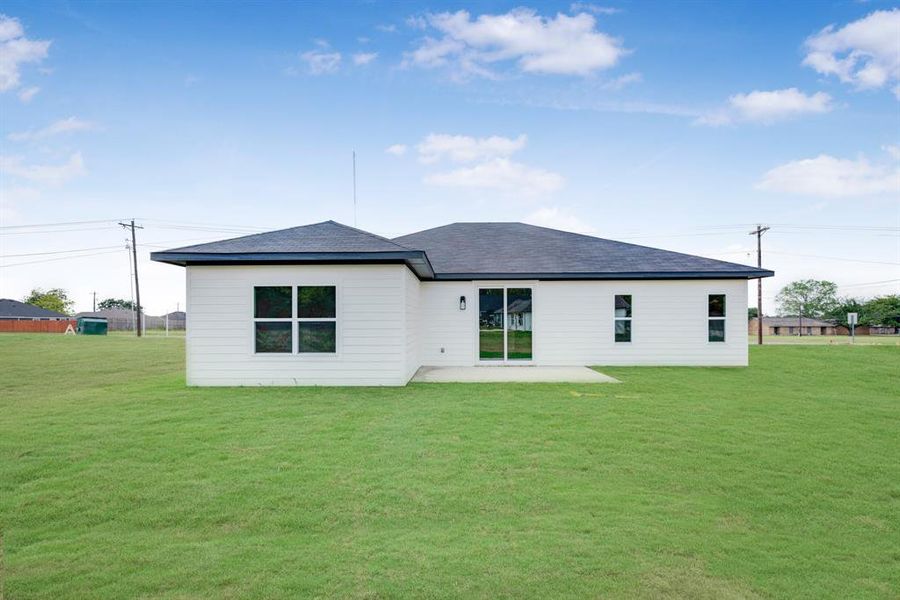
[870, 283]
[871, 262]
[57, 252]
[46, 260]
[55, 231]
[58, 224]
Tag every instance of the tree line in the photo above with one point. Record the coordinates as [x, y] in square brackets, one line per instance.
[819, 300]
[57, 300]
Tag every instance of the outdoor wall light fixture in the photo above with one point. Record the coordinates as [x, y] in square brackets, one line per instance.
[462, 303]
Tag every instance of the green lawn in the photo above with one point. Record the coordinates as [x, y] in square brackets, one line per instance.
[777, 481]
[830, 340]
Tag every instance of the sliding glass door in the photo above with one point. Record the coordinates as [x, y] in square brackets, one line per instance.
[505, 324]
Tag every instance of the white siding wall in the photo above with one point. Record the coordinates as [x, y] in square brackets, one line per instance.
[371, 326]
[448, 334]
[573, 323]
[413, 317]
[389, 324]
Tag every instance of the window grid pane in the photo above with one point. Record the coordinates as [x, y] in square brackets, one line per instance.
[623, 306]
[272, 302]
[623, 330]
[717, 330]
[316, 336]
[717, 305]
[273, 336]
[316, 302]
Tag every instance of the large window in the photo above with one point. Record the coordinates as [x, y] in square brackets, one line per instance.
[623, 318]
[315, 316]
[716, 310]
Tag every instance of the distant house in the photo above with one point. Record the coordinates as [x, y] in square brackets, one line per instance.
[883, 330]
[793, 326]
[328, 304]
[20, 317]
[177, 319]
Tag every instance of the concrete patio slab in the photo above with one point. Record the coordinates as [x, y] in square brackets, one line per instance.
[517, 374]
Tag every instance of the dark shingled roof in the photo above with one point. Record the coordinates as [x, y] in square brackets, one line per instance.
[15, 309]
[483, 250]
[464, 251]
[328, 236]
[326, 242]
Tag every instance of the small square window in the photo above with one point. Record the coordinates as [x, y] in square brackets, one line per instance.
[273, 336]
[717, 330]
[717, 305]
[272, 302]
[623, 330]
[316, 336]
[316, 302]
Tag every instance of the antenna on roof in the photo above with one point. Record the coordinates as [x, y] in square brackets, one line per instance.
[354, 188]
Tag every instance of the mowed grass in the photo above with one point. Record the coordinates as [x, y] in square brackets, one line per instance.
[781, 480]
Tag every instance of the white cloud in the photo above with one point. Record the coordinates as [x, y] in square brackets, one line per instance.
[865, 53]
[577, 7]
[321, 62]
[396, 149]
[893, 150]
[70, 125]
[387, 28]
[364, 58]
[417, 22]
[500, 174]
[563, 44]
[557, 218]
[768, 107]
[464, 148]
[826, 175]
[47, 174]
[28, 94]
[623, 81]
[494, 170]
[15, 50]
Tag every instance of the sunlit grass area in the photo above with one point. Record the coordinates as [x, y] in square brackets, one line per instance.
[830, 340]
[781, 480]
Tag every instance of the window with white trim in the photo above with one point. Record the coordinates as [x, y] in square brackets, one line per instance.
[716, 314]
[623, 318]
[272, 319]
[276, 309]
[316, 319]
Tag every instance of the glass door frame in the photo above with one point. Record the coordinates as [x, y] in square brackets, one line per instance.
[505, 287]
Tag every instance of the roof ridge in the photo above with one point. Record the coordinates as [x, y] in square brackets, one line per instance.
[368, 233]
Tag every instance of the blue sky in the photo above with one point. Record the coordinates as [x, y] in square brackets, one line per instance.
[670, 125]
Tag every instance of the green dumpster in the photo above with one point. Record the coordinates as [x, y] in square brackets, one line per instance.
[91, 326]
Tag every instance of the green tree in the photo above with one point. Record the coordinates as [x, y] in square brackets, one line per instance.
[838, 313]
[752, 313]
[884, 310]
[109, 303]
[55, 299]
[807, 298]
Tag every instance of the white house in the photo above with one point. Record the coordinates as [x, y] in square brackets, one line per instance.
[327, 304]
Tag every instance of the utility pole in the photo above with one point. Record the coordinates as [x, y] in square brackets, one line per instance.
[137, 287]
[95, 302]
[759, 313]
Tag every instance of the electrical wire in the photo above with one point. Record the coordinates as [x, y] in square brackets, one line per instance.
[45, 260]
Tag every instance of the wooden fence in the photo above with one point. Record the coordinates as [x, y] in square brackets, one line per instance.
[30, 326]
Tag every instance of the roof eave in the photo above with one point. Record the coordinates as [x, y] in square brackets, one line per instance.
[416, 260]
[636, 275]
